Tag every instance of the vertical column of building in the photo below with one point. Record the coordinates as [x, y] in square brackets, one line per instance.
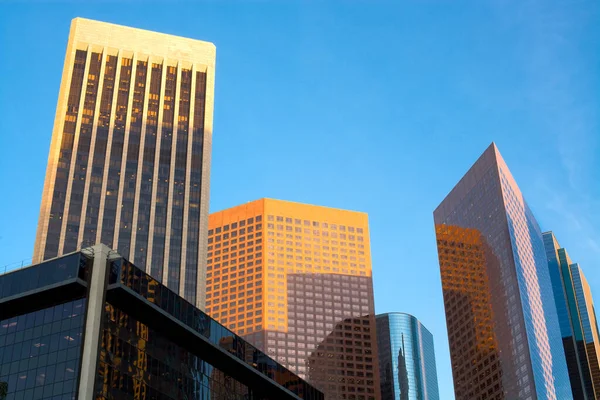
[170, 269]
[195, 266]
[186, 287]
[177, 191]
[156, 267]
[95, 170]
[79, 165]
[53, 202]
[124, 217]
[163, 167]
[74, 154]
[109, 147]
[138, 254]
[132, 168]
[110, 198]
[207, 128]
[146, 186]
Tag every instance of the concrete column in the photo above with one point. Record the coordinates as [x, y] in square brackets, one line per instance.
[93, 321]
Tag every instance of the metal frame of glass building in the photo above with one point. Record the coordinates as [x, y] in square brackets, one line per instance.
[577, 319]
[503, 327]
[91, 325]
[406, 358]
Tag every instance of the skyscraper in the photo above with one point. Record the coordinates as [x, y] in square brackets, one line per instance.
[577, 318]
[130, 152]
[406, 358]
[503, 327]
[295, 280]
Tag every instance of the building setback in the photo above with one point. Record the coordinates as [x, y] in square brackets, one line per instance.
[91, 325]
[406, 358]
[503, 327]
[130, 152]
[577, 319]
[295, 280]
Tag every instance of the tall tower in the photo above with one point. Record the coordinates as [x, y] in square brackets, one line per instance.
[503, 328]
[406, 358]
[295, 280]
[130, 152]
[577, 317]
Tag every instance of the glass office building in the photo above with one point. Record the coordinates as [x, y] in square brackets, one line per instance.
[129, 160]
[577, 319]
[503, 327]
[406, 358]
[91, 325]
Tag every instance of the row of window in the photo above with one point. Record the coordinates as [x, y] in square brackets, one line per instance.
[315, 224]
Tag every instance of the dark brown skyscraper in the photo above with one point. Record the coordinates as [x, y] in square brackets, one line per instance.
[130, 153]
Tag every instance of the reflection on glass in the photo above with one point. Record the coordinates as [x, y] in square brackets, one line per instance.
[39, 352]
[150, 289]
[493, 265]
[64, 157]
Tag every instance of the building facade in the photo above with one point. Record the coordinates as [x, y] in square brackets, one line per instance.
[503, 328]
[129, 159]
[91, 325]
[406, 358]
[577, 319]
[295, 280]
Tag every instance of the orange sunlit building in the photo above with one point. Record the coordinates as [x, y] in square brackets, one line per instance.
[285, 276]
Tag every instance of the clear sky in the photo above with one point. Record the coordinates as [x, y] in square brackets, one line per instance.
[373, 107]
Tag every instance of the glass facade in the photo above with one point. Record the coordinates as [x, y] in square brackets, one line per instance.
[153, 344]
[406, 358]
[493, 265]
[151, 290]
[290, 278]
[40, 350]
[138, 362]
[120, 171]
[577, 320]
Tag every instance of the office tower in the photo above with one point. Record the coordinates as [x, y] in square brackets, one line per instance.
[577, 318]
[295, 280]
[406, 358]
[502, 322]
[130, 152]
[91, 325]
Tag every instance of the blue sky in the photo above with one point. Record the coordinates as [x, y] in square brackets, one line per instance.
[374, 107]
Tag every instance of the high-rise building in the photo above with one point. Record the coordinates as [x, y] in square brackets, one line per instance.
[406, 358]
[130, 152]
[577, 318]
[91, 325]
[295, 280]
[503, 328]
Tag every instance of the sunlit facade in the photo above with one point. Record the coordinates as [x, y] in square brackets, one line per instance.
[130, 152]
[503, 328]
[577, 318]
[91, 325]
[295, 279]
[406, 358]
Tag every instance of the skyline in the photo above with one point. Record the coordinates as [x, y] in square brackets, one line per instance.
[255, 128]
